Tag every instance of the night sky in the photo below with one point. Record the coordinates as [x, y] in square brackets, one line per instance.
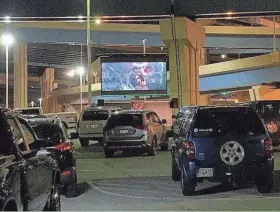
[54, 8]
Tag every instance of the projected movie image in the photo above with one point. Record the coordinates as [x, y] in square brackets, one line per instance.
[134, 76]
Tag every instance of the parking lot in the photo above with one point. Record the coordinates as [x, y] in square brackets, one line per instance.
[144, 183]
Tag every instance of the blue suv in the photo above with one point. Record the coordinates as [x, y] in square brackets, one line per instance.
[222, 144]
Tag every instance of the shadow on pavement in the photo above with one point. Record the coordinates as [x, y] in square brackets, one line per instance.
[83, 188]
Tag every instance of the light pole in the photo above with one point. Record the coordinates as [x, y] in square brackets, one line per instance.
[7, 40]
[80, 71]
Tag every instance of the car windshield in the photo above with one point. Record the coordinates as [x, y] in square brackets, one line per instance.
[133, 120]
[44, 131]
[216, 123]
[95, 115]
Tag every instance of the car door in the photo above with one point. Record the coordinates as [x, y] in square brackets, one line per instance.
[30, 178]
[159, 127]
[41, 163]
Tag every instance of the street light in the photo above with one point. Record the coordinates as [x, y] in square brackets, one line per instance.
[7, 40]
[80, 71]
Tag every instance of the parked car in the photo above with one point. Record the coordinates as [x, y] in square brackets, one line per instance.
[223, 144]
[30, 179]
[269, 110]
[91, 123]
[52, 135]
[131, 129]
[69, 119]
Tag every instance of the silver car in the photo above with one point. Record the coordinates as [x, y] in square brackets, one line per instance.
[131, 129]
[91, 123]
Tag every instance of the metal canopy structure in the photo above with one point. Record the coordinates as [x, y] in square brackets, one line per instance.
[55, 8]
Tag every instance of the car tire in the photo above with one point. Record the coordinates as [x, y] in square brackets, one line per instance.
[100, 141]
[72, 191]
[108, 153]
[152, 149]
[176, 173]
[188, 186]
[54, 203]
[84, 142]
[164, 147]
[264, 181]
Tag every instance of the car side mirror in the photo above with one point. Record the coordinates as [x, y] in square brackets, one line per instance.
[163, 121]
[174, 116]
[74, 135]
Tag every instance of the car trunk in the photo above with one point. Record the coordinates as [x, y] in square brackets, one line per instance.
[212, 130]
[92, 122]
[125, 127]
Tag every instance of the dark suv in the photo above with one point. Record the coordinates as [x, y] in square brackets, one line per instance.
[29, 178]
[223, 144]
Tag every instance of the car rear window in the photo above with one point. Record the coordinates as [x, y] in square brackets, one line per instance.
[30, 112]
[220, 123]
[133, 120]
[95, 115]
[44, 131]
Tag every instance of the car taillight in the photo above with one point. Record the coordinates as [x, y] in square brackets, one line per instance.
[64, 146]
[268, 149]
[189, 149]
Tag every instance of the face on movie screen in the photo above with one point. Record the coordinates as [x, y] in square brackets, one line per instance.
[134, 76]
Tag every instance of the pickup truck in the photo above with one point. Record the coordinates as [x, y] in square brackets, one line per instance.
[69, 119]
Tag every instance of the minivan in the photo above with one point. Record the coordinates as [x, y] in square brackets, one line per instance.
[91, 123]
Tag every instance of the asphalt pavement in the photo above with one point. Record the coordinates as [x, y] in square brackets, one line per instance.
[137, 183]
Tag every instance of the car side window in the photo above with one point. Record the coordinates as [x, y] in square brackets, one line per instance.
[186, 124]
[152, 117]
[148, 118]
[157, 119]
[28, 136]
[17, 136]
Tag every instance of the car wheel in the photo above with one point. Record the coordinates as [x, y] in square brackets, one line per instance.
[100, 141]
[164, 147]
[188, 187]
[72, 190]
[108, 153]
[152, 149]
[54, 204]
[264, 181]
[84, 142]
[176, 173]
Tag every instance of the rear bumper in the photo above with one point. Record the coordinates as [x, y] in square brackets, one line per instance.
[223, 172]
[68, 176]
[91, 135]
[126, 144]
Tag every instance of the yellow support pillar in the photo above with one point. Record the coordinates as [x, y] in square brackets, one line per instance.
[184, 39]
[49, 102]
[20, 76]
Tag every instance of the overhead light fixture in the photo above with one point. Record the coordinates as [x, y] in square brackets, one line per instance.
[98, 21]
[71, 73]
[7, 19]
[223, 56]
[229, 13]
[7, 39]
[80, 17]
[80, 70]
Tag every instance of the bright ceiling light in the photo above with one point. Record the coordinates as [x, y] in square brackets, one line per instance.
[7, 19]
[223, 56]
[80, 70]
[98, 21]
[71, 73]
[229, 13]
[7, 39]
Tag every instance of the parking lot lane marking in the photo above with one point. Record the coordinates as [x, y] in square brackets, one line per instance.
[126, 189]
[130, 196]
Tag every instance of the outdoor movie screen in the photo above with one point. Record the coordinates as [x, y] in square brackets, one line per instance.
[134, 78]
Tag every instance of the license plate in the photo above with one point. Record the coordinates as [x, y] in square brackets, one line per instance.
[205, 172]
[123, 131]
[92, 126]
